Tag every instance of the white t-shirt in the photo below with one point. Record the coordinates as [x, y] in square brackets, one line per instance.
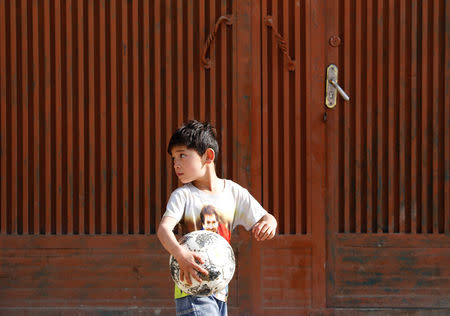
[232, 207]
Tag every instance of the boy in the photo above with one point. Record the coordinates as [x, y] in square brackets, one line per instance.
[194, 150]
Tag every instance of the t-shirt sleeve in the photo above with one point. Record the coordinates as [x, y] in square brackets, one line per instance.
[248, 210]
[176, 205]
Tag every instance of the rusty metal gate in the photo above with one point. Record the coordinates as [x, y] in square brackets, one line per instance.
[90, 92]
[388, 163]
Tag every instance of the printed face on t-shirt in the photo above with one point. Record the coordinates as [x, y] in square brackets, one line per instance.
[210, 222]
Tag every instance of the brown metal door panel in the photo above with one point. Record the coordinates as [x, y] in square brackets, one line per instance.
[285, 113]
[387, 149]
[283, 276]
[69, 272]
[90, 92]
[89, 103]
[289, 270]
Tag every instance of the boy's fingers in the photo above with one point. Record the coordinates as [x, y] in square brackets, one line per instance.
[256, 234]
[185, 277]
[272, 234]
[261, 231]
[201, 270]
[268, 234]
[189, 276]
[264, 230]
[256, 228]
[195, 275]
[262, 235]
[199, 259]
[188, 279]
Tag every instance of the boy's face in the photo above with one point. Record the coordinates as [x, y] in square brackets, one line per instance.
[188, 164]
[210, 222]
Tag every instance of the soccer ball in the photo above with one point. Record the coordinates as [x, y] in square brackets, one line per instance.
[219, 260]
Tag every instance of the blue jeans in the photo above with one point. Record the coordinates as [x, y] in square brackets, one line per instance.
[200, 305]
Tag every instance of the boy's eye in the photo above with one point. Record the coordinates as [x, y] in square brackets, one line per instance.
[182, 156]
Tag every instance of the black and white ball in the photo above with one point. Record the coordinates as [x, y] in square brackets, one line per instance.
[219, 262]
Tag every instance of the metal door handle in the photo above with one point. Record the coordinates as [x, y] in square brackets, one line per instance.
[340, 90]
[332, 87]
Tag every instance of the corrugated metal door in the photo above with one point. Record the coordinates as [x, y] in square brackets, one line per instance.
[288, 278]
[90, 94]
[368, 180]
[91, 91]
[388, 157]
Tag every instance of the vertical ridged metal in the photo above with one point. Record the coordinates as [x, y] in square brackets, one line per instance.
[91, 92]
[446, 118]
[393, 132]
[285, 115]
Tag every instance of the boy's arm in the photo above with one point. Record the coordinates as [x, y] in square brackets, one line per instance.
[187, 260]
[265, 228]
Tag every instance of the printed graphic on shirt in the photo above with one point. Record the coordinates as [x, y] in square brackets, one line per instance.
[211, 221]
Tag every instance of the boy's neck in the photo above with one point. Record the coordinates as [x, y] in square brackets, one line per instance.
[209, 183]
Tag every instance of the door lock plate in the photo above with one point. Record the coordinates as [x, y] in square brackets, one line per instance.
[332, 87]
[331, 91]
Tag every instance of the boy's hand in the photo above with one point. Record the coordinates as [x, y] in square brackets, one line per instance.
[189, 266]
[265, 228]
[187, 260]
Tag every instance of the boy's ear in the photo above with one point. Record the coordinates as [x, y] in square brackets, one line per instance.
[210, 155]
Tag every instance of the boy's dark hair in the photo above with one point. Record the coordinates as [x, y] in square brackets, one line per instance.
[195, 135]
